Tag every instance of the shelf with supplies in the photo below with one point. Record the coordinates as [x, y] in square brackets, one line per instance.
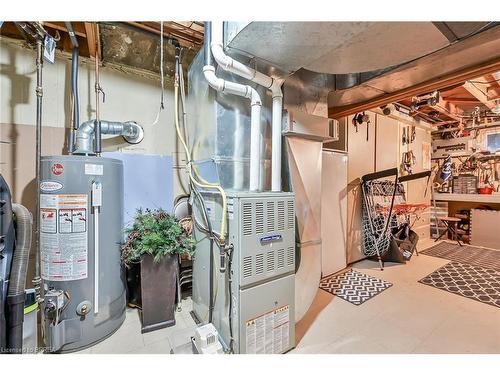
[476, 198]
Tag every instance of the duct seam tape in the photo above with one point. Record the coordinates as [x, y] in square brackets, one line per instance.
[94, 169]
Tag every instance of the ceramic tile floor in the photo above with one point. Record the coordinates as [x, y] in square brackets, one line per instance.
[409, 317]
[129, 340]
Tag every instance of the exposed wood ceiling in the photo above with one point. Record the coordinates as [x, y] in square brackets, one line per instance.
[135, 44]
[132, 46]
[188, 34]
[457, 103]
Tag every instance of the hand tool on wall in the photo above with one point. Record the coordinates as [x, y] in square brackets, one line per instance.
[407, 162]
[366, 119]
[358, 119]
[413, 133]
[355, 122]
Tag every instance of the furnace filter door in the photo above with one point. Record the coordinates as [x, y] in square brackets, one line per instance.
[63, 236]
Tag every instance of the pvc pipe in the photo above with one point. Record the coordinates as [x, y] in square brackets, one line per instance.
[276, 143]
[255, 147]
[249, 92]
[233, 66]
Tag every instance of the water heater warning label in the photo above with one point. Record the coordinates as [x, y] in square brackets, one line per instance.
[63, 236]
[269, 333]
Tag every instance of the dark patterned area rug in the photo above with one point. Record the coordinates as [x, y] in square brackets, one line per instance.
[466, 254]
[353, 286]
[468, 280]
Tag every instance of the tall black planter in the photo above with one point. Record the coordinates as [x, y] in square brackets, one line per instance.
[153, 287]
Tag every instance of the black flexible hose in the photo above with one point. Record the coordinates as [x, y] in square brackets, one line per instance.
[74, 87]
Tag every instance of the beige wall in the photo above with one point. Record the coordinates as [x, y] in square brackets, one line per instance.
[128, 97]
[382, 150]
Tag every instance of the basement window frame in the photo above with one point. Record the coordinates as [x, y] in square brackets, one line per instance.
[494, 136]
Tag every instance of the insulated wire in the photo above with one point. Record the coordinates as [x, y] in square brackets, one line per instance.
[189, 169]
[212, 253]
[184, 121]
[162, 97]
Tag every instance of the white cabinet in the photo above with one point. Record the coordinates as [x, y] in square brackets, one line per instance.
[361, 151]
[333, 212]
[387, 143]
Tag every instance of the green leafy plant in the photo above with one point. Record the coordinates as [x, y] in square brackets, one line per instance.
[155, 233]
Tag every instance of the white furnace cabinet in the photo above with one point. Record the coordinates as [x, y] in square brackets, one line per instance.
[333, 212]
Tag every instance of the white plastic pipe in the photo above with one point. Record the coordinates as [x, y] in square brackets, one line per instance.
[249, 92]
[233, 66]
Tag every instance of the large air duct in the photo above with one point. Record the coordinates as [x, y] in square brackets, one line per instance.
[130, 131]
[233, 66]
[249, 92]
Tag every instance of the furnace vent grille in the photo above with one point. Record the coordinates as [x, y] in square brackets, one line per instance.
[247, 219]
[270, 261]
[281, 258]
[247, 267]
[291, 215]
[281, 215]
[259, 264]
[259, 218]
[290, 256]
[270, 217]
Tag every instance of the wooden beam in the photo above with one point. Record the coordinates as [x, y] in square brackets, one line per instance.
[91, 38]
[462, 100]
[184, 40]
[448, 109]
[480, 91]
[427, 86]
[61, 27]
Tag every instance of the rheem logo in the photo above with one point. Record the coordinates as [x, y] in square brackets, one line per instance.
[57, 169]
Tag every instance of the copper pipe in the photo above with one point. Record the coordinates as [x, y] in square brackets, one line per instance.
[38, 152]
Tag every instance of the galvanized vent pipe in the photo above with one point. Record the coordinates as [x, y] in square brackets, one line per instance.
[249, 92]
[233, 66]
[74, 87]
[130, 130]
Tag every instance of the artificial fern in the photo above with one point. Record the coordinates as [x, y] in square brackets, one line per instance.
[155, 233]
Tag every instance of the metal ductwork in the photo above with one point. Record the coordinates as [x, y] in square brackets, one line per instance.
[130, 131]
[344, 47]
[364, 60]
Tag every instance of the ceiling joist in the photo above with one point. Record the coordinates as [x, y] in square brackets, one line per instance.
[479, 91]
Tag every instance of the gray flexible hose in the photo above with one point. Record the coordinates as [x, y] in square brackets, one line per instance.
[20, 259]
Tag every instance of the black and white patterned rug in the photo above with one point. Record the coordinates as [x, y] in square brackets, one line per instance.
[465, 254]
[468, 280]
[353, 286]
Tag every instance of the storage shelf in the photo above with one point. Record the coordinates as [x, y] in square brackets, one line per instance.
[481, 198]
